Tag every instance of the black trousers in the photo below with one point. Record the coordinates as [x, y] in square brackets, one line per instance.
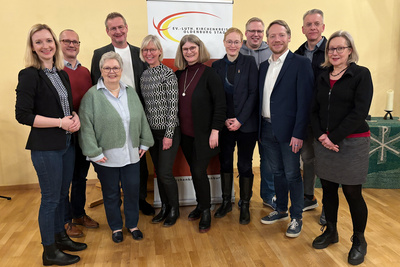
[163, 161]
[245, 143]
[198, 169]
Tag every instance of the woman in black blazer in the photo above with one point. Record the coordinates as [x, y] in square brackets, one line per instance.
[239, 74]
[201, 116]
[44, 102]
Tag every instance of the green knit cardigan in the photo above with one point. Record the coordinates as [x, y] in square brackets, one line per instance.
[102, 127]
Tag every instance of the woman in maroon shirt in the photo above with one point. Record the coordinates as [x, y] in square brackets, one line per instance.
[202, 111]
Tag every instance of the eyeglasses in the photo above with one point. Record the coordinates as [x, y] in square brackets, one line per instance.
[191, 49]
[114, 69]
[255, 31]
[68, 42]
[230, 42]
[339, 49]
[151, 50]
[114, 29]
[316, 24]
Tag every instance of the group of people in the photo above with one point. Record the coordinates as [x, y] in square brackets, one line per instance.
[311, 103]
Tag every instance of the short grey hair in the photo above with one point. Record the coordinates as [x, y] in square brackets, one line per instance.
[110, 55]
[314, 11]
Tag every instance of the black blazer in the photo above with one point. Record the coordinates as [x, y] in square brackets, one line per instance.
[36, 95]
[245, 96]
[208, 110]
[138, 65]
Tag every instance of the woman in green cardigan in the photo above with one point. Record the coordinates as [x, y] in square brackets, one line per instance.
[114, 136]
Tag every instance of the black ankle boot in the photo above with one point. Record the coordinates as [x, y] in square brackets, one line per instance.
[53, 256]
[330, 236]
[63, 242]
[358, 249]
[195, 214]
[246, 185]
[226, 186]
[161, 215]
[205, 221]
[173, 215]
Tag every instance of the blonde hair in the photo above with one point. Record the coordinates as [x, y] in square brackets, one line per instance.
[281, 23]
[353, 57]
[151, 39]
[254, 19]
[32, 59]
[236, 30]
[204, 55]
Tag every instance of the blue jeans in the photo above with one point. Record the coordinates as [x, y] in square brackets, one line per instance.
[285, 166]
[54, 169]
[76, 208]
[110, 179]
[267, 188]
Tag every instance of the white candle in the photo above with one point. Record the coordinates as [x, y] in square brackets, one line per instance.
[389, 100]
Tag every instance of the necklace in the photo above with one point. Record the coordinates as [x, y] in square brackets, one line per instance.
[334, 75]
[184, 85]
[114, 90]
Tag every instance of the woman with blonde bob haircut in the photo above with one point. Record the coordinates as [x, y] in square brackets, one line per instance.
[343, 95]
[44, 102]
[353, 56]
[202, 111]
[159, 88]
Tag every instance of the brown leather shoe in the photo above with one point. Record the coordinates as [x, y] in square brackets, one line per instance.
[72, 230]
[86, 221]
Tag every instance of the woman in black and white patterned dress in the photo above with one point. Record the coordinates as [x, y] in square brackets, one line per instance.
[160, 93]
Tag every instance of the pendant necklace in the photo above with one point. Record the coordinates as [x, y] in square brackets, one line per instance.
[184, 85]
[334, 75]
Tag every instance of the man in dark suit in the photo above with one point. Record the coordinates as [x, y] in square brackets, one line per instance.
[285, 85]
[314, 50]
[117, 29]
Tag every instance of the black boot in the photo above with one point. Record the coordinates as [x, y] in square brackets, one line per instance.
[53, 256]
[330, 236]
[162, 214]
[195, 214]
[63, 242]
[358, 249]
[205, 221]
[173, 215]
[246, 185]
[226, 186]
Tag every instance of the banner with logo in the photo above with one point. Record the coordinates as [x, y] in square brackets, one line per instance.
[170, 21]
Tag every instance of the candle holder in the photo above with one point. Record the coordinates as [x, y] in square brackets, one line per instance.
[388, 113]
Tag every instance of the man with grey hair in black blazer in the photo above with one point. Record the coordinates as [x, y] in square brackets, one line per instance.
[117, 29]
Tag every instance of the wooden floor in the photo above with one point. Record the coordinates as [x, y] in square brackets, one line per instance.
[227, 243]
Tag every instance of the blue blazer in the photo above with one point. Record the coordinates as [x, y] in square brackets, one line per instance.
[245, 96]
[291, 97]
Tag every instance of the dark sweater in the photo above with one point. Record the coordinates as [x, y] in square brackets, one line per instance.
[345, 110]
[80, 83]
[318, 57]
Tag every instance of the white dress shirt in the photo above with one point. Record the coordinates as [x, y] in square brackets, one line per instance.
[270, 79]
